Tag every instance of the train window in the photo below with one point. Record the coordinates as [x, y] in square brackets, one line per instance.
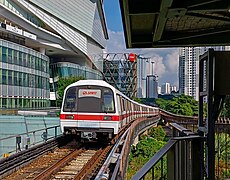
[126, 105]
[129, 107]
[108, 101]
[70, 100]
[121, 103]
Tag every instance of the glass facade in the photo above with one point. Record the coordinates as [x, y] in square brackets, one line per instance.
[67, 69]
[121, 73]
[24, 77]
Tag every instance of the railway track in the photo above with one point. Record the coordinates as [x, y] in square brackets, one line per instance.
[30, 171]
[73, 161]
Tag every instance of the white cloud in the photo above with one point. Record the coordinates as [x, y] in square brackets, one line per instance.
[116, 42]
[172, 61]
[166, 59]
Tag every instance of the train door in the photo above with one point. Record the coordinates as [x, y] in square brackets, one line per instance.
[119, 109]
[123, 111]
[126, 111]
[130, 111]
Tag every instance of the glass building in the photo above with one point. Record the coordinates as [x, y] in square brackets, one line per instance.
[24, 77]
[151, 86]
[41, 41]
[66, 69]
[121, 73]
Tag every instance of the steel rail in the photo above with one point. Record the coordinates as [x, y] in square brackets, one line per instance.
[11, 163]
[46, 174]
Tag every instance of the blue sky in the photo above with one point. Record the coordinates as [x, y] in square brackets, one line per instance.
[166, 59]
[113, 15]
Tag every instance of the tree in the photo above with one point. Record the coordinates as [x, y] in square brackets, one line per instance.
[62, 84]
[137, 100]
[182, 105]
[226, 108]
[145, 149]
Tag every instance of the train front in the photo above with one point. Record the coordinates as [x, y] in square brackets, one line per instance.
[89, 112]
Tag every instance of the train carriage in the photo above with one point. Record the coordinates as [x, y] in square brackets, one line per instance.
[94, 109]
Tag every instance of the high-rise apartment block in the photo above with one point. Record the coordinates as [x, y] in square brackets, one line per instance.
[189, 69]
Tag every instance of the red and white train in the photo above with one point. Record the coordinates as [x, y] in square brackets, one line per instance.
[95, 109]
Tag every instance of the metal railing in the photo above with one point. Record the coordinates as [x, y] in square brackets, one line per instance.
[222, 150]
[16, 143]
[179, 159]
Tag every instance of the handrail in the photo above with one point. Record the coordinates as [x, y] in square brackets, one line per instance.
[29, 132]
[183, 142]
[154, 160]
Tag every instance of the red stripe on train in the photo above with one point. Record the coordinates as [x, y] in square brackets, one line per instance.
[89, 117]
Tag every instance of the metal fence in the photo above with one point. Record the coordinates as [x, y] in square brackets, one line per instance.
[182, 159]
[21, 132]
[179, 159]
[222, 151]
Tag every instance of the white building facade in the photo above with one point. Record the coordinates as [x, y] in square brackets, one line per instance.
[189, 69]
[165, 88]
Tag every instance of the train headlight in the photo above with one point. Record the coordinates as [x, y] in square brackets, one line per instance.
[69, 116]
[108, 118]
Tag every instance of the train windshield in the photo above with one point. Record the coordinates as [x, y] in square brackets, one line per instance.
[108, 102]
[70, 100]
[92, 99]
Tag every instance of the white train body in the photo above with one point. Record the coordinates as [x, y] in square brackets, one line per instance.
[93, 108]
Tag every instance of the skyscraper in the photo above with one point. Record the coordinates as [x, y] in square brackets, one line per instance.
[151, 86]
[189, 69]
[145, 67]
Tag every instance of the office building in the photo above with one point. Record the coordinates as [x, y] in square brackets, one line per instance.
[173, 89]
[159, 89]
[41, 41]
[121, 72]
[165, 88]
[145, 67]
[189, 69]
[151, 86]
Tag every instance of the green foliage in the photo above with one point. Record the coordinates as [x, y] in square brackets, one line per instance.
[222, 145]
[157, 133]
[137, 100]
[62, 84]
[226, 108]
[222, 149]
[182, 105]
[145, 149]
[162, 103]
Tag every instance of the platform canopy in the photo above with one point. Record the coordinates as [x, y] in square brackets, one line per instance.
[175, 23]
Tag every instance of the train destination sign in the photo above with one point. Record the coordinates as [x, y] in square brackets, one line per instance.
[89, 93]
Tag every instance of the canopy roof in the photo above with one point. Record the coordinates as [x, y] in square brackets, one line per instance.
[175, 23]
